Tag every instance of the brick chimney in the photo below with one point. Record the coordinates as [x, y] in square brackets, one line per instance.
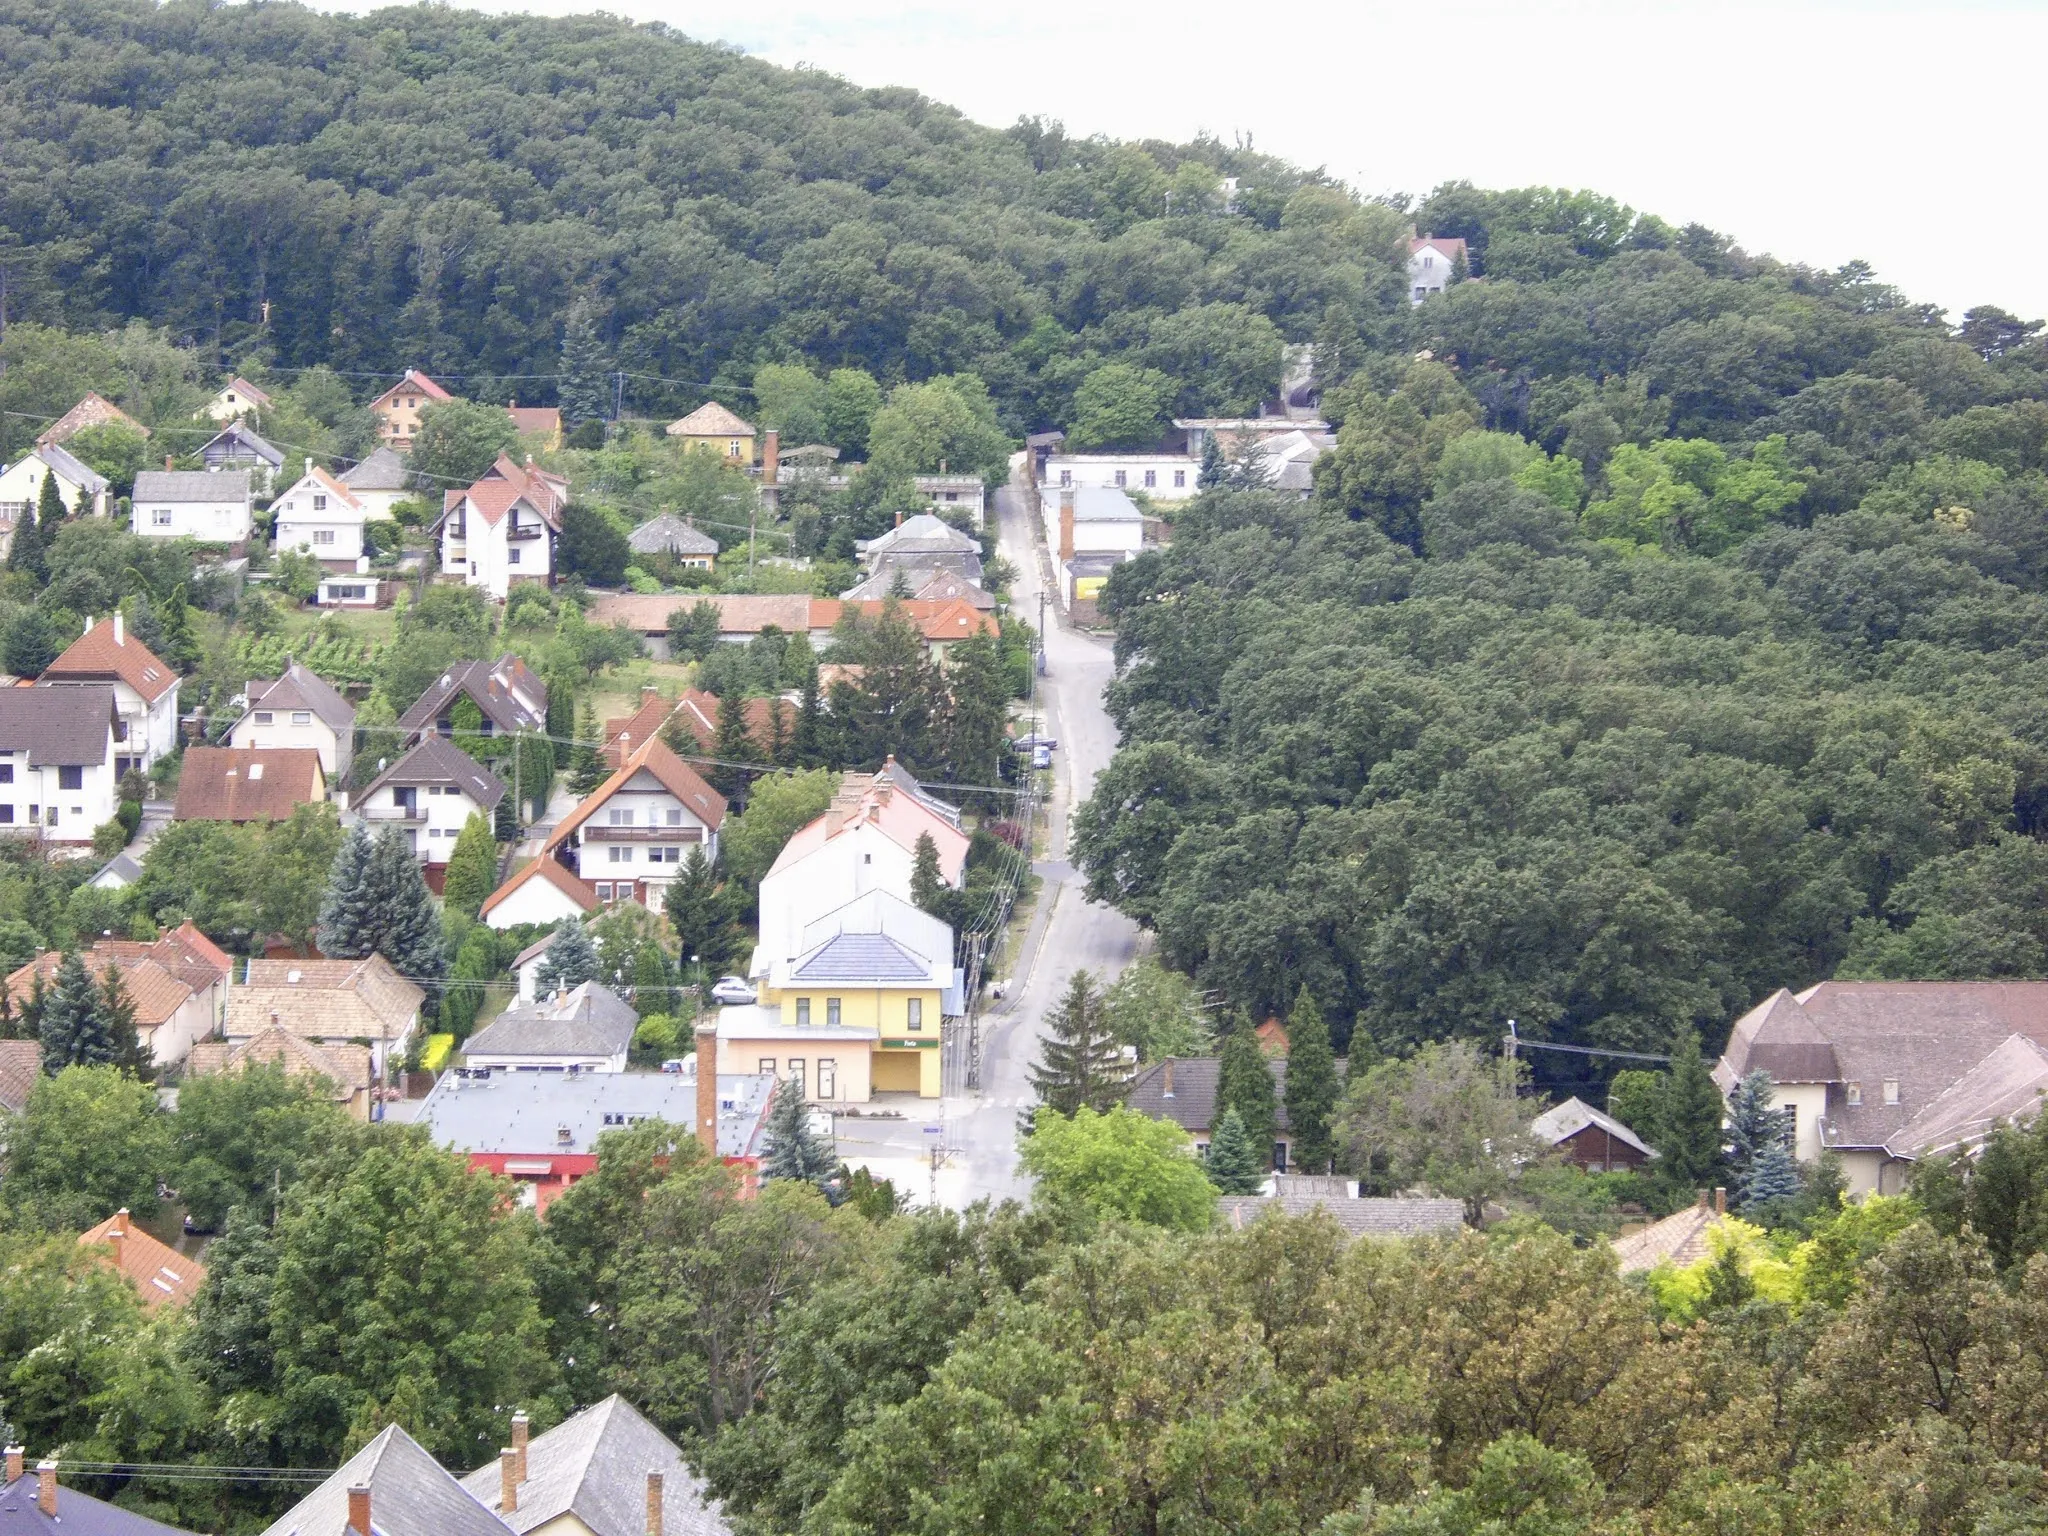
[1720, 1201]
[654, 1479]
[168, 461]
[899, 517]
[46, 1487]
[508, 1480]
[1066, 523]
[1166, 1091]
[15, 1453]
[359, 1509]
[120, 1223]
[521, 1429]
[771, 455]
[707, 1087]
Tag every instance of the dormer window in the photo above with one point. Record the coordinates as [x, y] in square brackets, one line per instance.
[1891, 1090]
[1853, 1094]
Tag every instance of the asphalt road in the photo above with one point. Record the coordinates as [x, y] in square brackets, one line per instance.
[975, 1135]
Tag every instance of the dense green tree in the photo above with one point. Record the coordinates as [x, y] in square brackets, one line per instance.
[377, 902]
[1312, 1086]
[732, 746]
[1079, 1066]
[570, 961]
[242, 1139]
[49, 506]
[458, 440]
[26, 551]
[32, 644]
[1120, 406]
[583, 391]
[1119, 1163]
[74, 1025]
[928, 888]
[90, 1141]
[777, 805]
[1157, 1012]
[793, 1150]
[472, 868]
[592, 546]
[1234, 1163]
[1244, 1083]
[1446, 1119]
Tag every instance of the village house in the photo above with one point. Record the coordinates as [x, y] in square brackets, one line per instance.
[527, 963]
[379, 482]
[588, 1028]
[541, 1129]
[742, 617]
[243, 784]
[33, 1503]
[1338, 1199]
[1091, 531]
[676, 537]
[58, 773]
[238, 446]
[507, 694]
[628, 838]
[299, 708]
[919, 584]
[398, 409]
[237, 398]
[1235, 435]
[815, 465]
[177, 985]
[714, 429]
[391, 1487]
[80, 486]
[160, 1275]
[349, 590]
[1683, 1238]
[145, 689]
[605, 1471]
[543, 890]
[1590, 1140]
[1163, 474]
[215, 508]
[694, 714]
[343, 1068]
[1183, 1089]
[502, 530]
[92, 411]
[542, 423]
[431, 793]
[1888, 1073]
[1434, 263]
[321, 517]
[329, 1002]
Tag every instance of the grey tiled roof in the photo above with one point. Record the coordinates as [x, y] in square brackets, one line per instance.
[594, 1466]
[192, 485]
[383, 470]
[300, 687]
[60, 727]
[1360, 1218]
[527, 1113]
[590, 1020]
[72, 468]
[862, 957]
[78, 1514]
[491, 685]
[239, 435]
[671, 533]
[435, 761]
[410, 1495]
[1191, 1101]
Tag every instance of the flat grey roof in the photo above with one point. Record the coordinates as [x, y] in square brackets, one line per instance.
[538, 1114]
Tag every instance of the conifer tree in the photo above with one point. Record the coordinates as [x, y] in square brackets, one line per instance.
[1234, 1164]
[1312, 1085]
[117, 1017]
[411, 938]
[807, 747]
[1213, 469]
[583, 391]
[49, 506]
[181, 647]
[26, 552]
[1688, 1122]
[793, 1150]
[731, 745]
[472, 868]
[1080, 1064]
[1771, 1179]
[587, 767]
[1245, 1083]
[696, 909]
[570, 961]
[73, 1027]
[345, 915]
[928, 888]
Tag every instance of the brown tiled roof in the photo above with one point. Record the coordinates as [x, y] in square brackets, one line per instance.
[1678, 1239]
[1183, 1089]
[951, 619]
[550, 869]
[1450, 247]
[509, 695]
[623, 733]
[345, 1065]
[414, 382]
[161, 1275]
[93, 411]
[247, 390]
[506, 483]
[697, 712]
[544, 419]
[710, 420]
[95, 657]
[674, 775]
[329, 1000]
[158, 977]
[21, 1063]
[248, 783]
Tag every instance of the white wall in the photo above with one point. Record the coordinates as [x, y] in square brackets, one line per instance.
[290, 728]
[858, 860]
[79, 811]
[215, 522]
[1103, 469]
[536, 901]
[22, 486]
[434, 835]
[310, 511]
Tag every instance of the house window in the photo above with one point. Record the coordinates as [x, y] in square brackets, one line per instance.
[511, 557]
[618, 816]
[1151, 478]
[72, 777]
[6, 815]
[1180, 479]
[323, 535]
[319, 503]
[950, 496]
[664, 855]
[732, 449]
[302, 717]
[604, 890]
[1421, 293]
[1891, 1090]
[765, 1066]
[263, 717]
[620, 855]
[160, 517]
[1066, 477]
[828, 1077]
[796, 1074]
[914, 1012]
[675, 815]
[1279, 1157]
[831, 1013]
[6, 773]
[803, 1013]
[1120, 477]
[1428, 262]
[1853, 1092]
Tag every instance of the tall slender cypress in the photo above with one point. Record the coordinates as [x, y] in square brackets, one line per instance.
[1245, 1083]
[1311, 1085]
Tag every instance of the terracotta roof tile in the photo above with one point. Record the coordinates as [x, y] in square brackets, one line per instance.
[21, 1063]
[673, 774]
[710, 420]
[414, 382]
[97, 657]
[345, 1065]
[550, 869]
[93, 411]
[324, 1000]
[161, 1275]
[248, 783]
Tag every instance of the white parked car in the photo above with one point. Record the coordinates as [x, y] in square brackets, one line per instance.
[733, 990]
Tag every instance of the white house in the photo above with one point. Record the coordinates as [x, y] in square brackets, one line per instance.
[320, 516]
[238, 398]
[1091, 530]
[629, 837]
[57, 773]
[21, 485]
[1432, 265]
[145, 689]
[177, 986]
[586, 1029]
[432, 791]
[502, 530]
[346, 589]
[544, 891]
[379, 482]
[193, 504]
[299, 709]
[1162, 476]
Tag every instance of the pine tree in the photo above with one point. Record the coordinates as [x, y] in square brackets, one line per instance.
[181, 647]
[1312, 1085]
[1213, 468]
[1234, 1165]
[561, 705]
[793, 1150]
[807, 746]
[346, 918]
[49, 506]
[1754, 1126]
[73, 1028]
[928, 888]
[570, 961]
[117, 1017]
[654, 981]
[1772, 1178]
[587, 767]
[1080, 1065]
[1244, 1083]
[411, 937]
[472, 868]
[732, 745]
[26, 552]
[1689, 1119]
[696, 909]
[777, 748]
[583, 392]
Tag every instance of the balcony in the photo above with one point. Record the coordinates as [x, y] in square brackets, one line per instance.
[596, 834]
[522, 532]
[401, 813]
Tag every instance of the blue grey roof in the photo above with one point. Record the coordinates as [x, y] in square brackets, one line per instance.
[236, 435]
[410, 1495]
[590, 1020]
[527, 1113]
[78, 1514]
[873, 957]
[594, 1466]
[71, 468]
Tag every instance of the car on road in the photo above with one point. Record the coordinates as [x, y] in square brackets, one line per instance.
[1036, 743]
[1041, 757]
[733, 990]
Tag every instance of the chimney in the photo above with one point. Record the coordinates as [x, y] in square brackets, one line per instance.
[521, 1425]
[707, 1087]
[771, 455]
[1720, 1201]
[508, 1480]
[1166, 1092]
[1066, 524]
[1706, 1199]
[654, 1478]
[14, 1456]
[899, 517]
[359, 1509]
[168, 461]
[46, 1487]
[649, 692]
[119, 629]
[309, 464]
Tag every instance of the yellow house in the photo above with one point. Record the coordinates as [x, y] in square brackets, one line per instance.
[860, 1010]
[712, 427]
[398, 409]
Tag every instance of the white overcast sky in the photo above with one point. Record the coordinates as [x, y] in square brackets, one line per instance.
[1905, 134]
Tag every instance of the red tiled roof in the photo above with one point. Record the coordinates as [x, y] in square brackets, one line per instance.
[1449, 247]
[247, 390]
[95, 657]
[506, 483]
[157, 977]
[162, 1276]
[21, 1063]
[547, 868]
[414, 382]
[93, 411]
[674, 775]
[247, 783]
